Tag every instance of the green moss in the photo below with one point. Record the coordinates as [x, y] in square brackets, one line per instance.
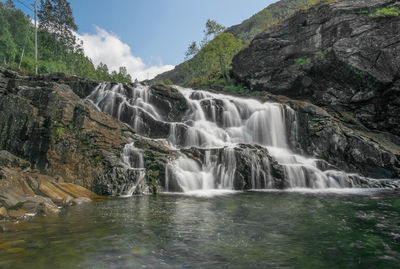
[60, 131]
[385, 12]
[378, 13]
[302, 61]
[320, 55]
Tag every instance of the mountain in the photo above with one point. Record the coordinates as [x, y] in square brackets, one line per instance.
[245, 31]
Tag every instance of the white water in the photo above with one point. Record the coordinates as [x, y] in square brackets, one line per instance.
[132, 159]
[219, 123]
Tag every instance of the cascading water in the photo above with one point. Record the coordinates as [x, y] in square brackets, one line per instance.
[132, 161]
[218, 124]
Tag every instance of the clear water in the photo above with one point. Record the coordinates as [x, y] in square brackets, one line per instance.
[240, 230]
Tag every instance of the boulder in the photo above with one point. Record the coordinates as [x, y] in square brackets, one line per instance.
[55, 194]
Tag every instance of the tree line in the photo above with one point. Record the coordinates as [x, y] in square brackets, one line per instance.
[59, 49]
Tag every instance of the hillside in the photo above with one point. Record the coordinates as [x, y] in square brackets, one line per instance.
[245, 31]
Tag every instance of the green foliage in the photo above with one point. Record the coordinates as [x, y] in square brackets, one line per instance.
[378, 13]
[302, 61]
[10, 4]
[192, 50]
[385, 12]
[168, 82]
[236, 89]
[213, 28]
[213, 60]
[56, 18]
[60, 131]
[58, 51]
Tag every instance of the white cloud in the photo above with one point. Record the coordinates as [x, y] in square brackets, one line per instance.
[107, 48]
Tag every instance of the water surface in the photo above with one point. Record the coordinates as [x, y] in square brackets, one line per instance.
[343, 229]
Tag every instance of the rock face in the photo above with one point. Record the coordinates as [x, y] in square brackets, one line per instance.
[343, 56]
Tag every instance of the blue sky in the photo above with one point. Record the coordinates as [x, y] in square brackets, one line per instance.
[150, 36]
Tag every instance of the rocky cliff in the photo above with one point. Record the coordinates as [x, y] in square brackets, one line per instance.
[343, 56]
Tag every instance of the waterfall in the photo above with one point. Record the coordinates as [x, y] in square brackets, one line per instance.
[132, 161]
[217, 124]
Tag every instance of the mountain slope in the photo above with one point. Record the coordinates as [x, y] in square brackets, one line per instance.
[244, 31]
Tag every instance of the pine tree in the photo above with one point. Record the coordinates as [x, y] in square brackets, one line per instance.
[56, 17]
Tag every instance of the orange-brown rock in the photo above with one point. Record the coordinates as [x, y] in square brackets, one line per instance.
[55, 194]
[17, 213]
[3, 212]
[76, 191]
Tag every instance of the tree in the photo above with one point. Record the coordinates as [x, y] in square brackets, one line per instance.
[56, 17]
[10, 4]
[213, 59]
[102, 72]
[223, 48]
[213, 28]
[192, 50]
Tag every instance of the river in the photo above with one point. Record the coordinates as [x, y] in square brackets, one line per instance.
[275, 229]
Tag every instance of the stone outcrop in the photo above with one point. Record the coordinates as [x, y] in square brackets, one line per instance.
[24, 192]
[343, 56]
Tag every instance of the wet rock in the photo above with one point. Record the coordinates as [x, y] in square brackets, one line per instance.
[169, 102]
[252, 166]
[121, 181]
[80, 200]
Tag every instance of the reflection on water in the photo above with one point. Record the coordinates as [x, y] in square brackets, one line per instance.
[251, 230]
